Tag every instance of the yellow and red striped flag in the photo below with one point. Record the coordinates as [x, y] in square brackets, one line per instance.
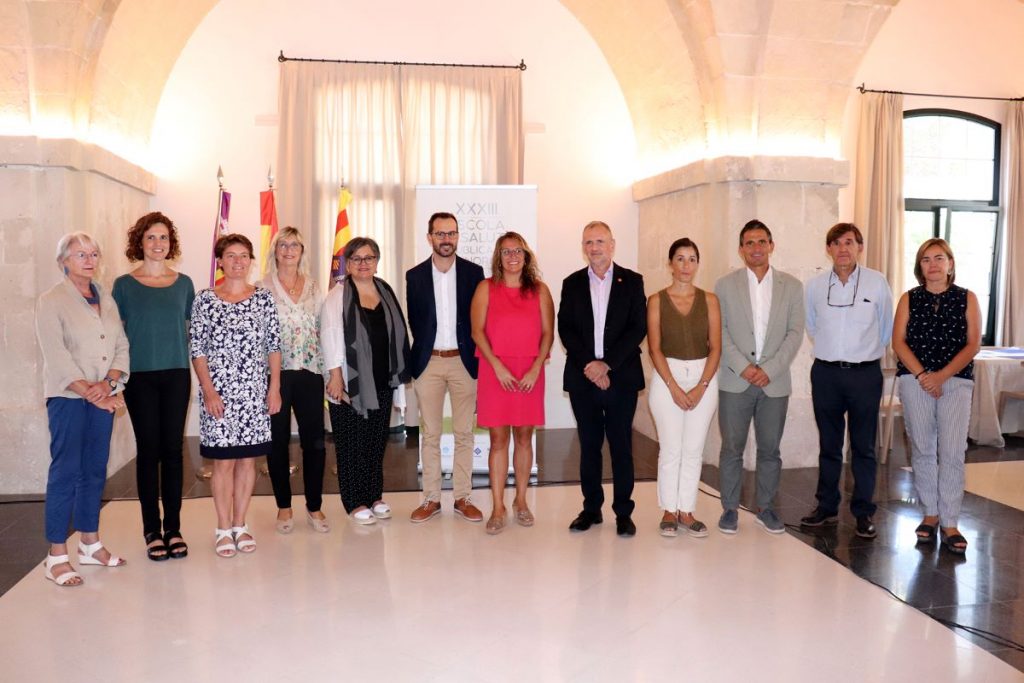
[268, 227]
[342, 234]
[220, 229]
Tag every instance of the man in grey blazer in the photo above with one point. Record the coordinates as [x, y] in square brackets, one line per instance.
[762, 329]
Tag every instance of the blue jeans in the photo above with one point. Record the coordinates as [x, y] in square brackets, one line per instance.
[79, 450]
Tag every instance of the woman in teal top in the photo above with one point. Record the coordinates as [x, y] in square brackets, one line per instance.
[155, 302]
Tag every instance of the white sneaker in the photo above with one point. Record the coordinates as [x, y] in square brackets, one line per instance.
[382, 510]
[363, 516]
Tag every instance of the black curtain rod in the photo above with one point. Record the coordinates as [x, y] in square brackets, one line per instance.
[281, 58]
[929, 94]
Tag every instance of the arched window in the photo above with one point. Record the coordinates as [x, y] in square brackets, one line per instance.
[951, 190]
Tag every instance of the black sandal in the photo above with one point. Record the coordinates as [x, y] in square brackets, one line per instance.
[954, 543]
[925, 533]
[178, 549]
[157, 553]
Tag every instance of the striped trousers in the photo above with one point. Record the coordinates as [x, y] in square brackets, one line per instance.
[937, 428]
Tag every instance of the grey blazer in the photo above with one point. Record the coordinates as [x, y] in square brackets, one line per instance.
[781, 342]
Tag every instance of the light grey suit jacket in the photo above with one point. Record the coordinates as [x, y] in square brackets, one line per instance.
[781, 342]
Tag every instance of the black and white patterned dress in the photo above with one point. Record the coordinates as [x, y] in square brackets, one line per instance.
[235, 339]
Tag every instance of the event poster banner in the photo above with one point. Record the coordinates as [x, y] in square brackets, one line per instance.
[484, 212]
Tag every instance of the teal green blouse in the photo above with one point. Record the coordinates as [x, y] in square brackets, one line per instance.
[155, 321]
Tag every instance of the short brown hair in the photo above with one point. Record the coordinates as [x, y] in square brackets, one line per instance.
[138, 231]
[232, 238]
[925, 246]
[441, 215]
[840, 229]
[755, 224]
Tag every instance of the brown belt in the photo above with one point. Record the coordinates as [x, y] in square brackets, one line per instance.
[451, 353]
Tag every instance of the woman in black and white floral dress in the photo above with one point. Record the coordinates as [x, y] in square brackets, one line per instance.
[236, 352]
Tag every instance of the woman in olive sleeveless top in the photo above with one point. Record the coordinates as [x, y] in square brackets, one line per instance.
[684, 337]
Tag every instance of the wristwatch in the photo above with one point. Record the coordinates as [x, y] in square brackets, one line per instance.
[112, 383]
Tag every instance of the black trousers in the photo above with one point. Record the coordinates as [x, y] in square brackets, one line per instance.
[157, 403]
[601, 414]
[359, 444]
[303, 392]
[837, 394]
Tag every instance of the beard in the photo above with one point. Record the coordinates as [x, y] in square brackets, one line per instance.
[444, 250]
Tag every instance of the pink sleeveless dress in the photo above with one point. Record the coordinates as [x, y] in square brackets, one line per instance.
[513, 328]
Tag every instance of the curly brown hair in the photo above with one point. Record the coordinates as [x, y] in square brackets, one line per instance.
[138, 231]
[530, 279]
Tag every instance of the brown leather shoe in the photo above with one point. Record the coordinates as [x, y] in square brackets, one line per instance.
[469, 512]
[430, 508]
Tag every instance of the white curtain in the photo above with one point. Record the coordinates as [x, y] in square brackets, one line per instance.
[1013, 303]
[383, 129]
[878, 205]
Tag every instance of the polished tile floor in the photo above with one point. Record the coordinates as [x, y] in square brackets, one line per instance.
[690, 623]
[443, 602]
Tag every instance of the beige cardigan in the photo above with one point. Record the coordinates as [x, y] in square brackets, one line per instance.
[78, 343]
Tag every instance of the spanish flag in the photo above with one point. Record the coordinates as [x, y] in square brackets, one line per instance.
[220, 229]
[268, 227]
[342, 234]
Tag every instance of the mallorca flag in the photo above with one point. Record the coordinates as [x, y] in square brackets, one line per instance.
[342, 234]
[216, 274]
[268, 226]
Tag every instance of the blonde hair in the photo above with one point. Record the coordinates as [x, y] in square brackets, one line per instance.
[530, 277]
[271, 256]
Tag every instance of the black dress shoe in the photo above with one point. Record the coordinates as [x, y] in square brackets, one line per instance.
[820, 518]
[624, 526]
[585, 520]
[865, 527]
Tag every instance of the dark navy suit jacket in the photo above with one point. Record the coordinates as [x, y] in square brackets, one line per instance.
[625, 326]
[419, 299]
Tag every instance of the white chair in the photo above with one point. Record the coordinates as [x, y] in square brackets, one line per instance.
[1005, 396]
[888, 410]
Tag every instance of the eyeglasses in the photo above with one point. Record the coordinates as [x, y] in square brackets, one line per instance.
[445, 235]
[82, 255]
[518, 251]
[831, 284]
[360, 260]
[286, 246]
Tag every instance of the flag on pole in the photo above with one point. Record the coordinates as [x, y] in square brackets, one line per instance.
[221, 228]
[342, 234]
[268, 226]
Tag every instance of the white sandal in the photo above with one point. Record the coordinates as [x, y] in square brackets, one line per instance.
[86, 553]
[381, 510]
[65, 578]
[247, 545]
[364, 516]
[224, 550]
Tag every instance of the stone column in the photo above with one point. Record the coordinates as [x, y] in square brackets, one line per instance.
[709, 201]
[49, 188]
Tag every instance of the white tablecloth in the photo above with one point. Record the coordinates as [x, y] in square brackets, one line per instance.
[996, 370]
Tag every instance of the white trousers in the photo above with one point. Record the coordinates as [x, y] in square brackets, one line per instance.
[681, 434]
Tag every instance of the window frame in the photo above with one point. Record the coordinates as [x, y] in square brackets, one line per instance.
[992, 205]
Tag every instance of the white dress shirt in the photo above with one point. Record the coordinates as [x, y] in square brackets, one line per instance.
[843, 332]
[760, 306]
[600, 289]
[445, 305]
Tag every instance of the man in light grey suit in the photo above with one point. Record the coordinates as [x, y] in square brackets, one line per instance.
[762, 329]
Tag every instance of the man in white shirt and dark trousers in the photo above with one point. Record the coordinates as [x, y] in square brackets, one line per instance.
[849, 319]
[762, 330]
[438, 293]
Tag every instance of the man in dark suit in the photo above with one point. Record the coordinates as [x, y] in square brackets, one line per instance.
[602, 318]
[438, 293]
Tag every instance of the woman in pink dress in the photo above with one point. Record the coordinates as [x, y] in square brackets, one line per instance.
[513, 327]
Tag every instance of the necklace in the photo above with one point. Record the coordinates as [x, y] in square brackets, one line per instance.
[291, 288]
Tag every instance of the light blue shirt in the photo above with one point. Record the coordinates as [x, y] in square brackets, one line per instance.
[849, 322]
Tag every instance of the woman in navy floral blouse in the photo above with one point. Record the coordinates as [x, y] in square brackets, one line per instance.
[236, 352]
